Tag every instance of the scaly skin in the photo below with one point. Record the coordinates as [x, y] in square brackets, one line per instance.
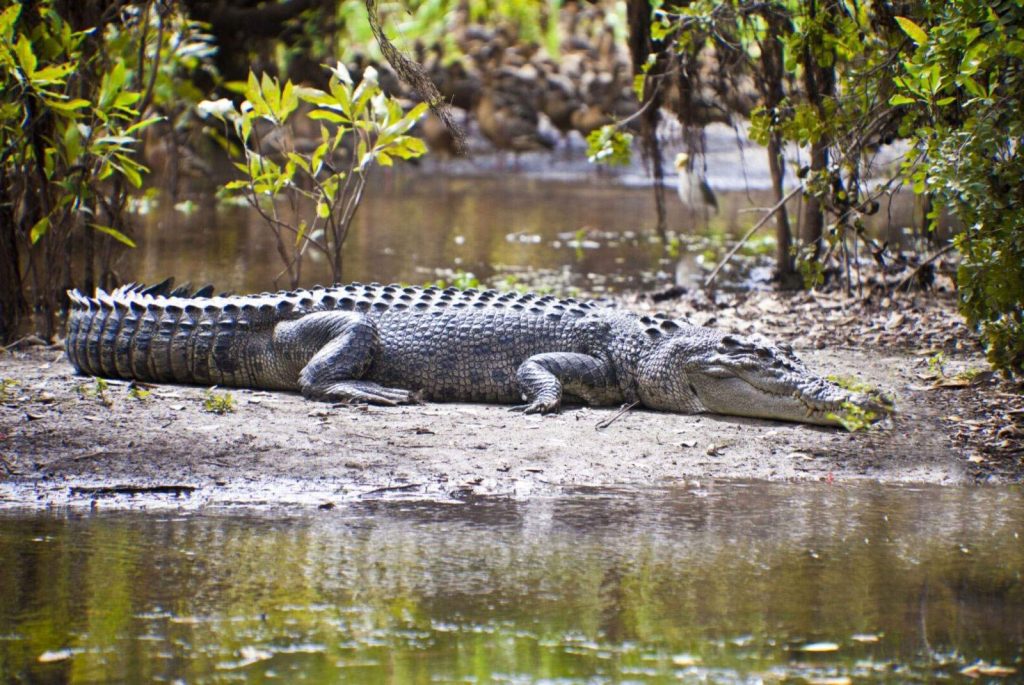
[392, 345]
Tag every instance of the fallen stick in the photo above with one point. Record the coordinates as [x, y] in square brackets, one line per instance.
[604, 423]
[134, 490]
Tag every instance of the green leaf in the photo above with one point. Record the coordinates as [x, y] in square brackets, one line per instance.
[131, 170]
[272, 95]
[323, 210]
[115, 234]
[638, 86]
[289, 100]
[418, 111]
[609, 145]
[328, 115]
[52, 74]
[299, 161]
[901, 100]
[26, 58]
[67, 106]
[916, 33]
[145, 123]
[39, 229]
[7, 20]
[110, 86]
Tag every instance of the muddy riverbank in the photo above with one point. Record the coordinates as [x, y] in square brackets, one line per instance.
[64, 440]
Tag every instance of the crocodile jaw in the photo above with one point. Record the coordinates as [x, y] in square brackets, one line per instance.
[815, 401]
[744, 376]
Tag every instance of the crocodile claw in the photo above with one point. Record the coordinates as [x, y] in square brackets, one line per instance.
[537, 407]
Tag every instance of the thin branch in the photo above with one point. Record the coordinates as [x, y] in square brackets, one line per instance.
[913, 274]
[771, 212]
[148, 97]
[604, 423]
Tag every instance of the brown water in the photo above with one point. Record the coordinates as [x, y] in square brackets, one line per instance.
[726, 583]
[587, 231]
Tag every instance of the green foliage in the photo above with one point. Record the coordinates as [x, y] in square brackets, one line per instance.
[946, 77]
[136, 392]
[8, 387]
[674, 246]
[218, 402]
[609, 145]
[961, 92]
[359, 126]
[854, 418]
[88, 140]
[98, 390]
[463, 280]
[73, 108]
[434, 22]
[937, 364]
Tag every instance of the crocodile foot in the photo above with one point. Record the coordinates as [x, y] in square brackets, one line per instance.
[538, 406]
[363, 392]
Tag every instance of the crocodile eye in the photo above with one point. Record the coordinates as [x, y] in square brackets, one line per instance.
[730, 343]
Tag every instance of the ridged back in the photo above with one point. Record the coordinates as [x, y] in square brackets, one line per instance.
[131, 333]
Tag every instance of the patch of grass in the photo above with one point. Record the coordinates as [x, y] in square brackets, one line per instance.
[969, 374]
[7, 388]
[511, 282]
[760, 246]
[463, 280]
[218, 403]
[137, 393]
[937, 364]
[97, 389]
[674, 247]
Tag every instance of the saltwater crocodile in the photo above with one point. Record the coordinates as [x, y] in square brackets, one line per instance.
[393, 344]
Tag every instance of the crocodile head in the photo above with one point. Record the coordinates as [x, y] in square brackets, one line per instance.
[744, 376]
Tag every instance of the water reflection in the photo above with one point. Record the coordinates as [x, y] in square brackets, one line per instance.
[733, 583]
[415, 226]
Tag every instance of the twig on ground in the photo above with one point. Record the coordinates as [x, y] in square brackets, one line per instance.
[601, 425]
[28, 340]
[134, 490]
[391, 488]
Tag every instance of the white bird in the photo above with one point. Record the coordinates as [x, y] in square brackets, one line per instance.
[693, 188]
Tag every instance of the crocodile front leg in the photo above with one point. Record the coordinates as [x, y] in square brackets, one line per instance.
[543, 377]
[344, 346]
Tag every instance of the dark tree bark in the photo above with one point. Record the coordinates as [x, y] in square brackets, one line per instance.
[770, 83]
[12, 299]
[820, 85]
[640, 46]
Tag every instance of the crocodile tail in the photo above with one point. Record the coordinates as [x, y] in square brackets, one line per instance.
[128, 335]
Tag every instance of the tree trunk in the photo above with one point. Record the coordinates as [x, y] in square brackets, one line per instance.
[12, 299]
[785, 265]
[820, 85]
[771, 86]
[640, 46]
